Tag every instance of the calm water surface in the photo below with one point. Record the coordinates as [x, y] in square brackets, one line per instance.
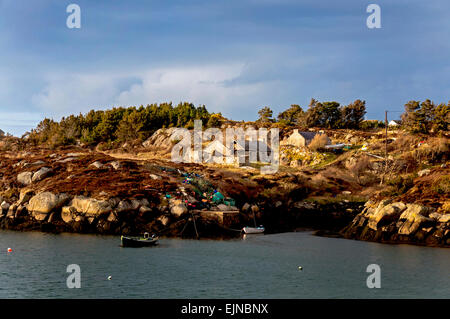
[262, 266]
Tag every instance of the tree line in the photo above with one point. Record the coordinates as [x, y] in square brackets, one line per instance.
[319, 114]
[426, 117]
[419, 117]
[120, 124]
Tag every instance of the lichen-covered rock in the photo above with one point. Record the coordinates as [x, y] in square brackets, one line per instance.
[444, 218]
[223, 207]
[91, 206]
[162, 138]
[21, 211]
[12, 211]
[115, 165]
[435, 216]
[400, 223]
[178, 210]
[124, 206]
[424, 172]
[412, 219]
[68, 214]
[43, 203]
[41, 174]
[96, 164]
[385, 214]
[112, 218]
[25, 196]
[4, 206]
[145, 211]
[164, 220]
[25, 178]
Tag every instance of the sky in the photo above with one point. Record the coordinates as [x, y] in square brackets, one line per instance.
[234, 56]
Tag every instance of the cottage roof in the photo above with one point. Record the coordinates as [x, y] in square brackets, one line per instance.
[308, 135]
[305, 135]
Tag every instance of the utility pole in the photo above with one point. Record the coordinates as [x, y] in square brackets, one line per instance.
[385, 148]
[385, 145]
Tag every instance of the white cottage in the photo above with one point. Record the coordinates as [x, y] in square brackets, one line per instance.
[394, 123]
[301, 139]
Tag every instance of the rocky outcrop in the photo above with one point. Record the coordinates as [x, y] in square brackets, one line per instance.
[25, 178]
[97, 164]
[42, 204]
[90, 206]
[41, 174]
[162, 138]
[384, 214]
[412, 219]
[177, 208]
[400, 223]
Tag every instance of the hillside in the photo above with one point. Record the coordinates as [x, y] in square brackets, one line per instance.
[133, 186]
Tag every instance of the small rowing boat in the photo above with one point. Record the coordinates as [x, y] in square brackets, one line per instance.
[253, 230]
[144, 241]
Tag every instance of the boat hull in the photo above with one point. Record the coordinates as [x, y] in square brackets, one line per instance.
[253, 230]
[138, 242]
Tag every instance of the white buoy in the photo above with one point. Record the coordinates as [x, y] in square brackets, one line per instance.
[109, 277]
[300, 268]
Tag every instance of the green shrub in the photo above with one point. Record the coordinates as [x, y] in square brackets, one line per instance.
[401, 184]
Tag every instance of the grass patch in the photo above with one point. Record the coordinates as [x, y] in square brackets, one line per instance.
[442, 185]
[401, 184]
[322, 200]
[330, 158]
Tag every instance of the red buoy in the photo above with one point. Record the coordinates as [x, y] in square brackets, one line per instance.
[9, 250]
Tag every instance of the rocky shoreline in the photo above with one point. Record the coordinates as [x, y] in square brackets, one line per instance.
[57, 213]
[397, 222]
[385, 221]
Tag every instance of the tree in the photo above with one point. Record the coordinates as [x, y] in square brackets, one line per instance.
[326, 114]
[353, 114]
[215, 120]
[130, 127]
[312, 117]
[331, 115]
[420, 117]
[441, 117]
[410, 118]
[291, 116]
[265, 115]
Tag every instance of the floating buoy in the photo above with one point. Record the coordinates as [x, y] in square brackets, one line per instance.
[9, 250]
[109, 277]
[300, 268]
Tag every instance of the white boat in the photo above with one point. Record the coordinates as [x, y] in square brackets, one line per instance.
[253, 230]
[335, 146]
